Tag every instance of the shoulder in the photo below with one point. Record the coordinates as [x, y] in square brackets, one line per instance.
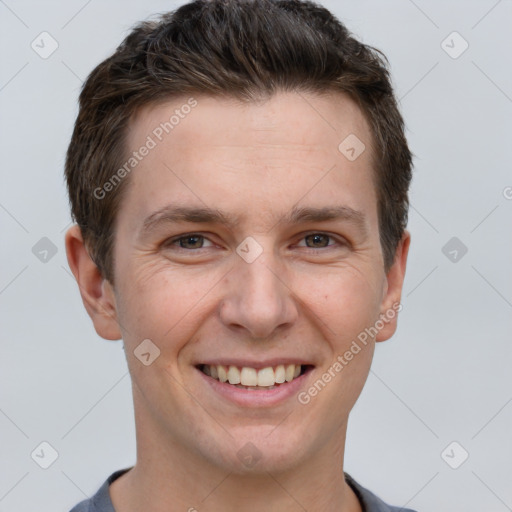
[369, 501]
[101, 501]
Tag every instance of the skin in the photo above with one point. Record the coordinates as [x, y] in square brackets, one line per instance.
[302, 297]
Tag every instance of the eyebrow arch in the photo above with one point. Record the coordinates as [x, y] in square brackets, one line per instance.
[203, 215]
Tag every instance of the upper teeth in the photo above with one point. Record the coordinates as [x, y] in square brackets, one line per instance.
[251, 377]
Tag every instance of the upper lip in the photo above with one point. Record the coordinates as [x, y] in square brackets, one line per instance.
[257, 364]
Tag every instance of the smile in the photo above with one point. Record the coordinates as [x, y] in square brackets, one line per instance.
[251, 378]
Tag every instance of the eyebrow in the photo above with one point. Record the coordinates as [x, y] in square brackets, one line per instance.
[204, 215]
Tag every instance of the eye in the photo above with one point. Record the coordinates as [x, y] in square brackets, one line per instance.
[187, 242]
[193, 241]
[318, 240]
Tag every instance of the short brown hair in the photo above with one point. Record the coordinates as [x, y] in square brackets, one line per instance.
[244, 49]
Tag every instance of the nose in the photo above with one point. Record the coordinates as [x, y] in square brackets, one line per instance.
[258, 299]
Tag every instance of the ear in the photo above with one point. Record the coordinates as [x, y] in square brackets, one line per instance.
[390, 305]
[96, 291]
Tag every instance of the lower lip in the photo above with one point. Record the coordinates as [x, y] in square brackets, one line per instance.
[256, 398]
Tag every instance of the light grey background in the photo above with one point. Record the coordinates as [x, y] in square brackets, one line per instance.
[444, 377]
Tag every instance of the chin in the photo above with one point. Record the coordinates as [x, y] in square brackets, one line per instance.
[259, 450]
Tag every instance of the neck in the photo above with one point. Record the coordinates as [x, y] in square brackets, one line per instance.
[169, 477]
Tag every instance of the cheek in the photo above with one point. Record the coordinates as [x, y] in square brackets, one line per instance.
[347, 306]
[346, 300]
[159, 303]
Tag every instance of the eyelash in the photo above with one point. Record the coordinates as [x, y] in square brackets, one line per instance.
[171, 241]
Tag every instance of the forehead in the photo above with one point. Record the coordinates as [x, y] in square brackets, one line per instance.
[207, 149]
[293, 118]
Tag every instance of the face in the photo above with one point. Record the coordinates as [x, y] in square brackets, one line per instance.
[247, 239]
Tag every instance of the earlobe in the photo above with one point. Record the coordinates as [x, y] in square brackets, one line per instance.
[390, 305]
[97, 292]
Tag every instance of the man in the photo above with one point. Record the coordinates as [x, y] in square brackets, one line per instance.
[239, 174]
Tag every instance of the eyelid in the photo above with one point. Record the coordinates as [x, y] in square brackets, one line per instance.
[340, 241]
[171, 241]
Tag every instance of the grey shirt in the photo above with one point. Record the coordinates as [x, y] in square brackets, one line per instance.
[101, 502]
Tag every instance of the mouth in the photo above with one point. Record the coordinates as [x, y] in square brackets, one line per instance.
[255, 379]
